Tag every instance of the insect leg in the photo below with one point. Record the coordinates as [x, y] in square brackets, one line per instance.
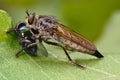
[9, 31]
[30, 45]
[68, 56]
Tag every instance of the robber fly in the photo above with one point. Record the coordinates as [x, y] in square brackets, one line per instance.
[44, 28]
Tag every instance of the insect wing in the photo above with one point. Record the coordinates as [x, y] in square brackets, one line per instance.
[32, 50]
[42, 49]
[66, 33]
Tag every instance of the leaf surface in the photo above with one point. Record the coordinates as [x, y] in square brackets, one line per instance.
[56, 66]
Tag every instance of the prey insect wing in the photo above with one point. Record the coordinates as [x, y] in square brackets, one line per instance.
[42, 49]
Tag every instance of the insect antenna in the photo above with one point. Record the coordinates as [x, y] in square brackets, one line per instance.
[27, 13]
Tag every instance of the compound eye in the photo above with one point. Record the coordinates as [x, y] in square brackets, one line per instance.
[31, 18]
[22, 27]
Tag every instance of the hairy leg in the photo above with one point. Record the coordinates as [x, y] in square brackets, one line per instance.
[68, 56]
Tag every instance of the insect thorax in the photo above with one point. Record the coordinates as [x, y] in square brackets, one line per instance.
[42, 26]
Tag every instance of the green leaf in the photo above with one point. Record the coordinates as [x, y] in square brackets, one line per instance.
[5, 24]
[57, 67]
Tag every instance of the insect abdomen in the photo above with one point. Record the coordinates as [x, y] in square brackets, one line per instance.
[86, 47]
[73, 45]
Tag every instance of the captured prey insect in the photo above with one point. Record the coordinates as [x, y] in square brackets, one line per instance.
[25, 38]
[38, 28]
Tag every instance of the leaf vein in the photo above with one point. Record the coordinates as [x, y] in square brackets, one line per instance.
[3, 76]
[40, 68]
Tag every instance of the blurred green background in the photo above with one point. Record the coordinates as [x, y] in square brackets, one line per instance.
[97, 20]
[87, 17]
